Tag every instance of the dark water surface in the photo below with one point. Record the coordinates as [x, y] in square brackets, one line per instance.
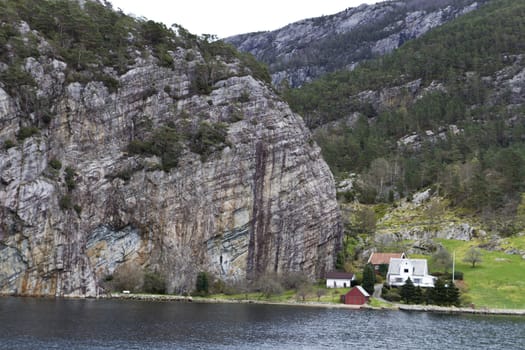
[119, 324]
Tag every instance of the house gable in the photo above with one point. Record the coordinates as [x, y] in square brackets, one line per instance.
[400, 270]
[356, 296]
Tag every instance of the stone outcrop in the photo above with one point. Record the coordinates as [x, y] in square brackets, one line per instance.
[305, 50]
[75, 205]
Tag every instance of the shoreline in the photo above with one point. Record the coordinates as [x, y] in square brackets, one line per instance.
[393, 306]
[328, 305]
[461, 310]
[205, 300]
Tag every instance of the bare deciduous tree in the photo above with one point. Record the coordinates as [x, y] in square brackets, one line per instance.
[473, 256]
[268, 284]
[442, 259]
[128, 276]
[320, 292]
[304, 291]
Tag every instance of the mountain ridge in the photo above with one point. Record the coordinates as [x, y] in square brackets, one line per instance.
[310, 48]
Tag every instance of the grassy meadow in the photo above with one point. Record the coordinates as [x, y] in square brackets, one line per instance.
[498, 281]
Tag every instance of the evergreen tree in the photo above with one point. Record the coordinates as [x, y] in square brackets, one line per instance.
[369, 278]
[452, 294]
[202, 285]
[408, 291]
[444, 293]
[419, 296]
[438, 294]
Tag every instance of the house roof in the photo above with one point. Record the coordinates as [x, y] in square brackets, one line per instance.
[340, 275]
[362, 291]
[418, 266]
[384, 258]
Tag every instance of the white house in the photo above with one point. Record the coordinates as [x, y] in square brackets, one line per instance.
[400, 270]
[339, 279]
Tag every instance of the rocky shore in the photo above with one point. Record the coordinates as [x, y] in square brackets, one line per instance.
[400, 307]
[461, 310]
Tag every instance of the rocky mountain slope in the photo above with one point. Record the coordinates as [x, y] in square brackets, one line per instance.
[441, 115]
[305, 50]
[169, 156]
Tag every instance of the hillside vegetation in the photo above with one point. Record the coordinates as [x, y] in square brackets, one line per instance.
[98, 44]
[443, 111]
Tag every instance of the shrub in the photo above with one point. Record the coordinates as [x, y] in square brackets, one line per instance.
[55, 164]
[127, 276]
[392, 295]
[209, 138]
[78, 209]
[244, 97]
[70, 178]
[458, 275]
[140, 147]
[202, 82]
[294, 280]
[154, 283]
[303, 291]
[268, 285]
[26, 132]
[9, 144]
[124, 174]
[111, 83]
[219, 286]
[165, 59]
[164, 143]
[46, 117]
[202, 284]
[66, 202]
[320, 292]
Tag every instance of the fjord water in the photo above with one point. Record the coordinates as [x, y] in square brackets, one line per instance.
[119, 324]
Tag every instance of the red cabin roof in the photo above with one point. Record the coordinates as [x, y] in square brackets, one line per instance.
[384, 258]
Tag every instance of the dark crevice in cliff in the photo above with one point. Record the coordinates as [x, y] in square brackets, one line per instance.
[257, 230]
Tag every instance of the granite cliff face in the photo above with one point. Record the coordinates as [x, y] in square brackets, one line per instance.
[305, 50]
[76, 204]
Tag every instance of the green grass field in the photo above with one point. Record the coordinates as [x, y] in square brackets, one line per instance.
[331, 296]
[498, 281]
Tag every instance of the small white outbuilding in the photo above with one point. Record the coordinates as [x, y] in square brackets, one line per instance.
[336, 279]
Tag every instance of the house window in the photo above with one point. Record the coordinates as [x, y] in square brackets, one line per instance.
[417, 280]
[344, 285]
[399, 279]
[406, 270]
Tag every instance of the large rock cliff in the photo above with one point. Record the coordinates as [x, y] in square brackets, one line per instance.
[302, 51]
[77, 203]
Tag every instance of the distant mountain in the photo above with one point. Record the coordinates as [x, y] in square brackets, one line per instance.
[444, 111]
[305, 50]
